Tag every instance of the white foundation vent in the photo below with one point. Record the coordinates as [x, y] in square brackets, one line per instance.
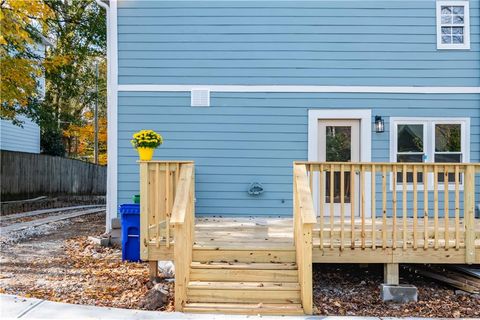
[200, 98]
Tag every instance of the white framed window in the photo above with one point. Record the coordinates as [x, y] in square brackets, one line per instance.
[453, 24]
[445, 140]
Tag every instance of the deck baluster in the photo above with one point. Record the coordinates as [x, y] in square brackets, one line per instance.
[352, 205]
[404, 206]
[384, 207]
[157, 204]
[362, 200]
[394, 209]
[332, 207]
[446, 208]
[415, 207]
[167, 202]
[374, 203]
[342, 206]
[435, 206]
[321, 201]
[457, 207]
[425, 207]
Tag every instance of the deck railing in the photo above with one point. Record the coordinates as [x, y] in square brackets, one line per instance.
[304, 220]
[395, 205]
[183, 220]
[158, 189]
[167, 217]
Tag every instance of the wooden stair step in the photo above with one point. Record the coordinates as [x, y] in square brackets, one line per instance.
[245, 308]
[243, 295]
[260, 286]
[216, 245]
[243, 265]
[235, 275]
[244, 255]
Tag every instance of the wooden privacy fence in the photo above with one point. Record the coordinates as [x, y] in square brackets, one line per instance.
[29, 175]
[410, 205]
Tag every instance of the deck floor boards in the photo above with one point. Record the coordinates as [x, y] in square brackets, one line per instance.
[275, 234]
[273, 231]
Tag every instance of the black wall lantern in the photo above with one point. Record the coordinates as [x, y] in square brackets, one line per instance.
[379, 124]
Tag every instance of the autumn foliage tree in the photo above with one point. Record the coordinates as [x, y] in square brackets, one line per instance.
[81, 137]
[21, 26]
[76, 31]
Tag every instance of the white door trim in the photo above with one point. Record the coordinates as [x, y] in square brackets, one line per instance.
[365, 117]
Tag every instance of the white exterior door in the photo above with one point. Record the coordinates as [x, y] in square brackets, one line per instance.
[339, 141]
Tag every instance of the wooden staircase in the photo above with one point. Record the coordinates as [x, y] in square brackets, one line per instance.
[250, 281]
[258, 272]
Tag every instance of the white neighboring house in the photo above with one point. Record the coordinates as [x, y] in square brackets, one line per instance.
[16, 138]
[25, 138]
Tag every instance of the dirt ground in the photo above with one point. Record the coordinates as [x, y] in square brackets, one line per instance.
[348, 290]
[64, 266]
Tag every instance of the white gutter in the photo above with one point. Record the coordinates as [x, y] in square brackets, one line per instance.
[111, 113]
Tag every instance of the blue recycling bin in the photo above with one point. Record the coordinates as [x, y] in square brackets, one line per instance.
[130, 217]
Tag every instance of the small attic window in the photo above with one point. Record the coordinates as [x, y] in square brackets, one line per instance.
[200, 98]
[453, 25]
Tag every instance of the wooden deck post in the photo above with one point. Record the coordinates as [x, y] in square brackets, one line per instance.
[183, 215]
[304, 220]
[469, 214]
[144, 211]
[391, 273]
[153, 269]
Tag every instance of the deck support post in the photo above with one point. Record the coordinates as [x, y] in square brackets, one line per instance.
[391, 273]
[469, 214]
[144, 211]
[153, 269]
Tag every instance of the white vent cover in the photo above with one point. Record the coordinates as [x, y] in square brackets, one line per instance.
[200, 98]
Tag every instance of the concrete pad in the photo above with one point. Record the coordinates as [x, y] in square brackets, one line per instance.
[12, 306]
[401, 293]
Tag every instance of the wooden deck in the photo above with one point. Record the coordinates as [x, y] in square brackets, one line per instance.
[264, 265]
[276, 234]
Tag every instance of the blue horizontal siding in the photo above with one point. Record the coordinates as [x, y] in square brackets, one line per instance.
[308, 4]
[255, 137]
[290, 42]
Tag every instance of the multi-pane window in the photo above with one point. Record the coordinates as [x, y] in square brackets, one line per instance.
[429, 140]
[453, 25]
[448, 146]
[410, 147]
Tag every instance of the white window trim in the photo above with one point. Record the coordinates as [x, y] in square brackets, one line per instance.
[429, 144]
[466, 31]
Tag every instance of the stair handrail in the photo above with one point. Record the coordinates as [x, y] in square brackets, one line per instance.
[304, 219]
[183, 222]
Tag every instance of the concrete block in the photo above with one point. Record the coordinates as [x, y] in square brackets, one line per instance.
[116, 224]
[101, 241]
[116, 233]
[116, 241]
[401, 293]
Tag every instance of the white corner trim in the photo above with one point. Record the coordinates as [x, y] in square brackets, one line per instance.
[466, 25]
[112, 193]
[294, 88]
[112, 96]
[365, 117]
